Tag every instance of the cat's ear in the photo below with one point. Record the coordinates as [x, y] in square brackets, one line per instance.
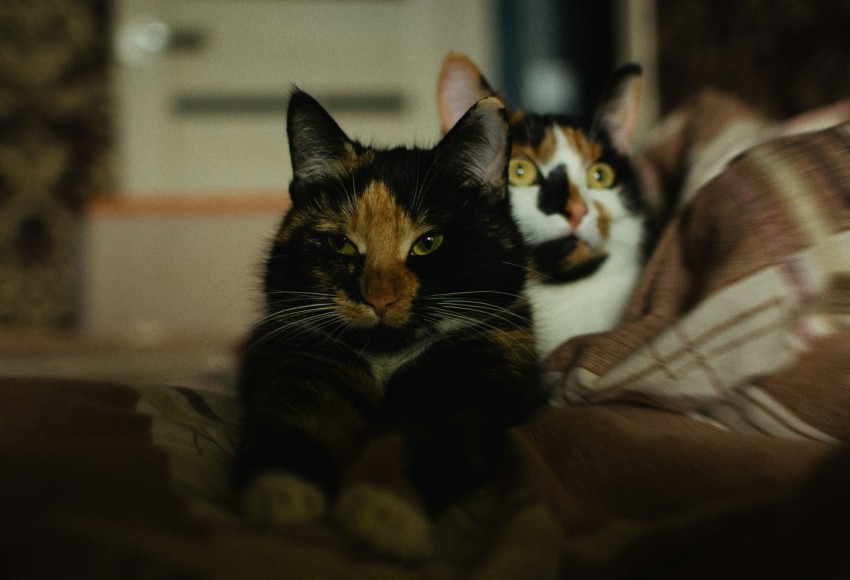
[618, 109]
[460, 85]
[478, 146]
[317, 146]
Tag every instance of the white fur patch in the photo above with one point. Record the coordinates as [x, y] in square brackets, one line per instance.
[592, 304]
[281, 499]
[385, 522]
[536, 226]
[383, 366]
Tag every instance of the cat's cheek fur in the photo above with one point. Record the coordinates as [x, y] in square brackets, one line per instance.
[536, 227]
[279, 499]
[354, 313]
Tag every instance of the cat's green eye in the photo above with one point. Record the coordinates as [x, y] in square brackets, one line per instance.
[600, 176]
[426, 244]
[342, 245]
[522, 172]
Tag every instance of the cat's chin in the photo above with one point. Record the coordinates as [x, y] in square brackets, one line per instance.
[381, 338]
[567, 259]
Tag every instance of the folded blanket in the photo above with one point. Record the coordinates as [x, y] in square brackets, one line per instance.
[742, 317]
[109, 481]
[696, 141]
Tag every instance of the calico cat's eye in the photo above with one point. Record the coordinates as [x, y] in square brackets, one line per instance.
[426, 244]
[342, 245]
[600, 176]
[522, 172]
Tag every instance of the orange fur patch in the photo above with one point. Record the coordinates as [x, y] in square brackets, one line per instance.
[349, 161]
[587, 149]
[604, 219]
[581, 254]
[383, 232]
[541, 154]
[547, 147]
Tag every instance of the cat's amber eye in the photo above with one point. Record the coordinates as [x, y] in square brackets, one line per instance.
[426, 244]
[522, 172]
[342, 245]
[601, 176]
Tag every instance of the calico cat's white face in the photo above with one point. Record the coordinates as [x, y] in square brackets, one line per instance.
[568, 201]
[581, 196]
[573, 193]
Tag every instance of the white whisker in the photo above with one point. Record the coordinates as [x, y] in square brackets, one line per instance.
[479, 326]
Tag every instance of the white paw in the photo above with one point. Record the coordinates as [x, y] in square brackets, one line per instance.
[385, 522]
[281, 499]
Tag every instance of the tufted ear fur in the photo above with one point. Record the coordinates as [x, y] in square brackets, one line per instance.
[618, 108]
[317, 146]
[478, 145]
[461, 84]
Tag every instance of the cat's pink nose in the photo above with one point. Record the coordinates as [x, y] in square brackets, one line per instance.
[380, 303]
[380, 288]
[576, 210]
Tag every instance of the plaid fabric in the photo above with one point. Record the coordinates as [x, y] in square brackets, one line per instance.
[743, 315]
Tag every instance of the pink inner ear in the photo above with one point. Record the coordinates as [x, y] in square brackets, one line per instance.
[621, 116]
[459, 89]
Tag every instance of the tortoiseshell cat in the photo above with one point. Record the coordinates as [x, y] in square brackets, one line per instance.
[396, 347]
[575, 197]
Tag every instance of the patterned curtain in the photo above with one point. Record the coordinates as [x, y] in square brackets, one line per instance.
[54, 139]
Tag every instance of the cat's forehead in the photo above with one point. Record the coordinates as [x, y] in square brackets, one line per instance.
[377, 222]
[375, 206]
[544, 138]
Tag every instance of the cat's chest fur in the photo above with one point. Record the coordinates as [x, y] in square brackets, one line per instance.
[384, 365]
[595, 303]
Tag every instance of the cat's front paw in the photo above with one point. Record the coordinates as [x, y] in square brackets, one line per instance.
[385, 522]
[278, 500]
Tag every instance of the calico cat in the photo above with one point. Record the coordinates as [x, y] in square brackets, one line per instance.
[574, 195]
[396, 347]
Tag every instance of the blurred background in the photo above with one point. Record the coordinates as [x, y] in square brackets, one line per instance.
[143, 160]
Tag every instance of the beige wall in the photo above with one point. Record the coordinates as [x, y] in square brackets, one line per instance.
[160, 258]
[153, 270]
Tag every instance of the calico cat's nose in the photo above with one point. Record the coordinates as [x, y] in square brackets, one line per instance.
[559, 195]
[575, 210]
